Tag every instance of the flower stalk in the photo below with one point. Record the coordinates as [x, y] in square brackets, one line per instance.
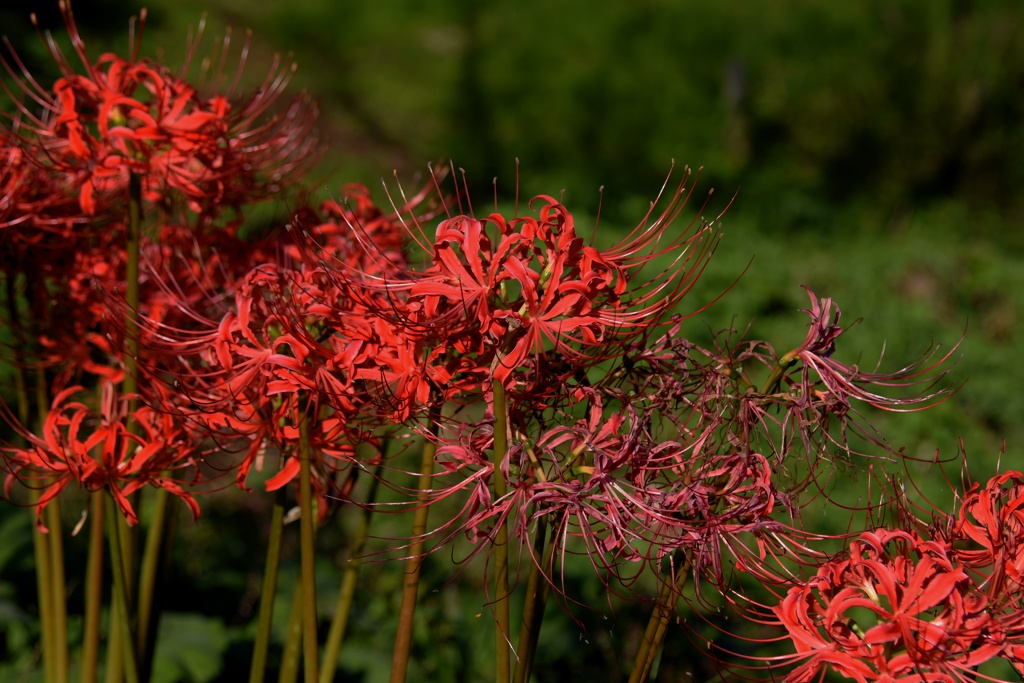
[310, 653]
[44, 584]
[269, 592]
[347, 591]
[153, 565]
[292, 654]
[93, 588]
[60, 613]
[503, 660]
[122, 603]
[665, 606]
[537, 590]
[47, 547]
[131, 288]
[411, 580]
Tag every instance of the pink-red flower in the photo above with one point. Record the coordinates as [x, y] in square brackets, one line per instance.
[847, 382]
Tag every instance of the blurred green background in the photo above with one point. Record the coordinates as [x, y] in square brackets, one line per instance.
[874, 149]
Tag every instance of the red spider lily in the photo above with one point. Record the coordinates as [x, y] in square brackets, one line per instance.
[992, 518]
[279, 358]
[607, 490]
[95, 449]
[333, 300]
[897, 607]
[570, 298]
[846, 381]
[249, 372]
[703, 466]
[77, 333]
[131, 116]
[77, 308]
[79, 141]
[807, 406]
[14, 185]
[502, 291]
[352, 235]
[34, 212]
[552, 479]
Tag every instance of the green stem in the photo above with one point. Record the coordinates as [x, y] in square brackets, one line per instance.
[57, 586]
[503, 661]
[131, 287]
[130, 353]
[149, 573]
[289, 672]
[347, 592]
[49, 548]
[153, 554]
[18, 366]
[93, 589]
[45, 595]
[115, 660]
[772, 383]
[410, 584]
[53, 605]
[123, 605]
[536, 599]
[308, 558]
[662, 613]
[126, 534]
[269, 592]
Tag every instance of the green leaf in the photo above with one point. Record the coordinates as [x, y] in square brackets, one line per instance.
[190, 649]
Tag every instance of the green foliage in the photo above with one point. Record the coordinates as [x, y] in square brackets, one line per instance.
[191, 649]
[19, 629]
[808, 107]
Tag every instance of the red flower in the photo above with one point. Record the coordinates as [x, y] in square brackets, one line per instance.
[506, 292]
[992, 517]
[131, 116]
[847, 382]
[95, 449]
[897, 607]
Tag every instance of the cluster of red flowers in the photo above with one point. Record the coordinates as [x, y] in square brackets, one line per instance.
[71, 153]
[96, 449]
[918, 605]
[92, 130]
[625, 440]
[294, 344]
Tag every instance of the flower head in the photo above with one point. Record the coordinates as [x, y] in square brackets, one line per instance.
[123, 116]
[991, 517]
[898, 606]
[95, 449]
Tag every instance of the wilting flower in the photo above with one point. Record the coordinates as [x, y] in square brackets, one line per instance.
[847, 382]
[810, 404]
